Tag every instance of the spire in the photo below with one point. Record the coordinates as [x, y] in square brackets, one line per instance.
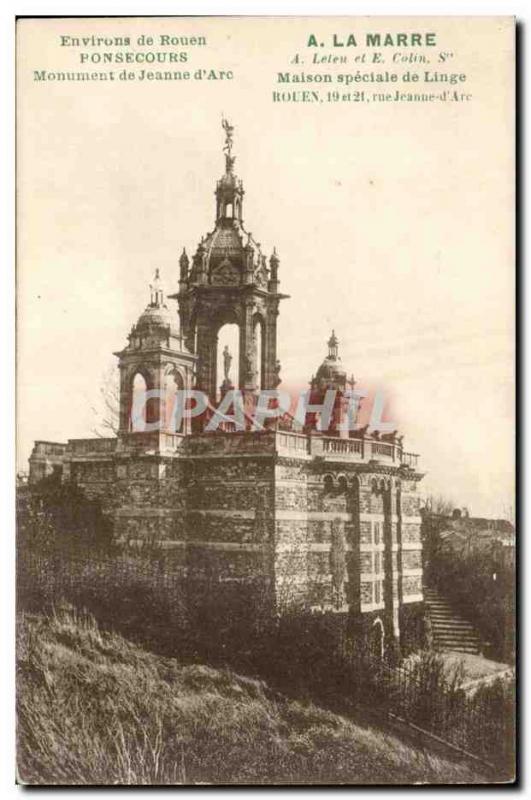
[333, 346]
[184, 263]
[229, 190]
[157, 293]
[274, 262]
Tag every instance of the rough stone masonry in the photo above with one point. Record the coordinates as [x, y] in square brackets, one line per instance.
[329, 521]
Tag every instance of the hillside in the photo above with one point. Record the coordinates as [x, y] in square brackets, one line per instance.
[93, 708]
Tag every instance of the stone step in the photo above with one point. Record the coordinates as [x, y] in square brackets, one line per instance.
[447, 626]
[454, 623]
[456, 631]
[451, 645]
[450, 631]
[444, 615]
[447, 641]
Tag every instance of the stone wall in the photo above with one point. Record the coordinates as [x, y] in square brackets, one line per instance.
[300, 531]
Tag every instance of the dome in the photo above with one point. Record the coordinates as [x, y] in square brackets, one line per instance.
[331, 373]
[157, 313]
[224, 242]
[155, 316]
[331, 369]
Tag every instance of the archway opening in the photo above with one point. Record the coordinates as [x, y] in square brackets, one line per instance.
[258, 335]
[139, 411]
[342, 485]
[228, 358]
[328, 485]
[173, 383]
[376, 639]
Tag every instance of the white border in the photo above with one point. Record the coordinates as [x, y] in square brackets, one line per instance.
[9, 9]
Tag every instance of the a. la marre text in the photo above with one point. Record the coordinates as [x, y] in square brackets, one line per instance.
[375, 40]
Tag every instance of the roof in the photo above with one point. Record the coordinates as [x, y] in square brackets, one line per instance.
[155, 316]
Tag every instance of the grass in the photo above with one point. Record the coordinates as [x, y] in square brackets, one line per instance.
[474, 667]
[95, 709]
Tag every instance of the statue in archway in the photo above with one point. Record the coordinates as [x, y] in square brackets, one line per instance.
[227, 360]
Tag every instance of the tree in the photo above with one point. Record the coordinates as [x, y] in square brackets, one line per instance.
[439, 505]
[107, 410]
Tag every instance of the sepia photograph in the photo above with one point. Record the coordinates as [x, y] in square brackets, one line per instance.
[265, 489]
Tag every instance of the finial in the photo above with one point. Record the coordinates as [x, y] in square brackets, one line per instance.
[333, 345]
[157, 294]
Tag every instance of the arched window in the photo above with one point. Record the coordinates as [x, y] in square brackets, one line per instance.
[342, 485]
[328, 484]
[355, 495]
[376, 639]
[138, 413]
[398, 498]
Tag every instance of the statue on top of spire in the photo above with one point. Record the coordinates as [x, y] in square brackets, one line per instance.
[227, 147]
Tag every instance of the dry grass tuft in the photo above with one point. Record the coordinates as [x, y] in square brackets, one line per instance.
[95, 709]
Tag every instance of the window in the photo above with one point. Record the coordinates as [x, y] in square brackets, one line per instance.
[377, 563]
[328, 484]
[377, 591]
[377, 532]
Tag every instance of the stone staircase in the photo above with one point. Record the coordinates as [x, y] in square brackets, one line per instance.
[450, 631]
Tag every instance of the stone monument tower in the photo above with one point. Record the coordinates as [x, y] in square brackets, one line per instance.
[230, 281]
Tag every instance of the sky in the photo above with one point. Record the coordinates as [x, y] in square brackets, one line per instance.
[393, 223]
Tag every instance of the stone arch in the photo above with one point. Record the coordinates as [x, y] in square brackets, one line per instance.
[259, 344]
[138, 385]
[173, 381]
[355, 490]
[328, 484]
[228, 334]
[144, 371]
[342, 484]
[398, 496]
[377, 639]
[383, 486]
